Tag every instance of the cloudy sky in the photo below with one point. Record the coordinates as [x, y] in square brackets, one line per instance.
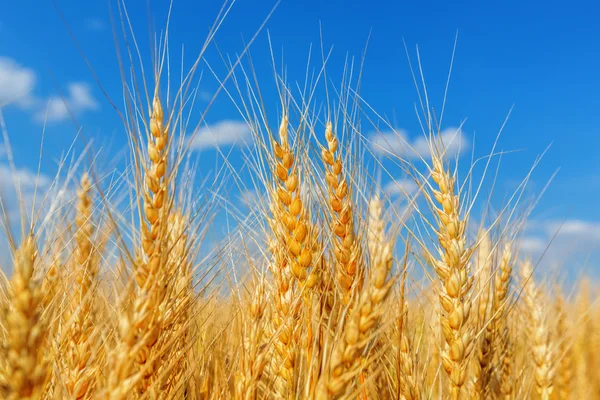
[542, 62]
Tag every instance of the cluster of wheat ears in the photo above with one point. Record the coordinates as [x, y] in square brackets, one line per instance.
[323, 290]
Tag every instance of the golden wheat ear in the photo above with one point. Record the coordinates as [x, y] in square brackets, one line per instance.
[80, 336]
[254, 357]
[346, 248]
[540, 339]
[25, 367]
[481, 365]
[141, 331]
[406, 369]
[565, 371]
[358, 330]
[452, 269]
[291, 259]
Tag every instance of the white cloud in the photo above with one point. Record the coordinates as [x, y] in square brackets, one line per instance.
[454, 139]
[398, 144]
[28, 183]
[578, 229]
[566, 243]
[395, 142]
[36, 191]
[77, 100]
[24, 177]
[533, 244]
[16, 83]
[402, 187]
[95, 24]
[222, 133]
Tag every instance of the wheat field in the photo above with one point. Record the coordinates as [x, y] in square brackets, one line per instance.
[323, 288]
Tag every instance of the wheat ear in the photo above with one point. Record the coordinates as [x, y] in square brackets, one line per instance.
[565, 374]
[254, 355]
[507, 362]
[480, 373]
[176, 314]
[376, 229]
[140, 331]
[53, 309]
[346, 250]
[503, 342]
[451, 267]
[80, 335]
[358, 330]
[539, 333]
[290, 213]
[291, 248]
[150, 271]
[25, 371]
[406, 378]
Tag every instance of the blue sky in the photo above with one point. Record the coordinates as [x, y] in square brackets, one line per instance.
[543, 58]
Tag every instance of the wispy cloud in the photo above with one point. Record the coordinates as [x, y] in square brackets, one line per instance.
[397, 143]
[37, 192]
[533, 244]
[588, 231]
[16, 83]
[28, 183]
[17, 86]
[78, 99]
[222, 133]
[561, 241]
[25, 178]
[400, 187]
